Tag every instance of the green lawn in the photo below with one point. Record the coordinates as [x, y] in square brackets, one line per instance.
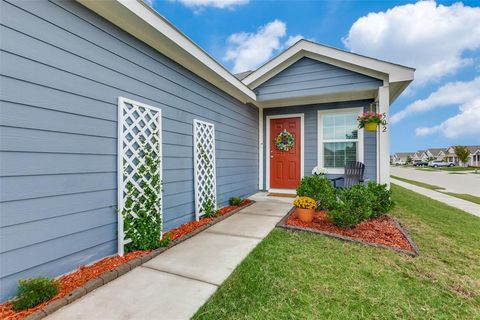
[452, 169]
[418, 183]
[294, 275]
[465, 196]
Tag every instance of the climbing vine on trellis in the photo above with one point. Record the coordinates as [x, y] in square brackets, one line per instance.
[142, 222]
[204, 168]
[139, 176]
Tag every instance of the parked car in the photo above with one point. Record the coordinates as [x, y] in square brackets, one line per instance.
[440, 163]
[399, 163]
[421, 164]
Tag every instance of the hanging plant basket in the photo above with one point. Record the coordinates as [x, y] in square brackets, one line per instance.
[371, 126]
[371, 120]
[285, 141]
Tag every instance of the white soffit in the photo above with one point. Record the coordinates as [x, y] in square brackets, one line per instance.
[144, 23]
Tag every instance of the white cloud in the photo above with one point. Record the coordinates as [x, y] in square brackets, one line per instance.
[432, 38]
[466, 123]
[452, 93]
[221, 4]
[248, 50]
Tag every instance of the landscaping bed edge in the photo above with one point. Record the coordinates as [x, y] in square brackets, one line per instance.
[281, 224]
[113, 274]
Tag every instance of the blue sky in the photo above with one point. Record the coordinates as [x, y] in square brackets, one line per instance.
[440, 39]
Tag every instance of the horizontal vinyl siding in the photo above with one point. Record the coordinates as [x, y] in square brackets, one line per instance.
[311, 127]
[63, 69]
[308, 77]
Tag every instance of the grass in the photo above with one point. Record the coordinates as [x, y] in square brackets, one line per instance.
[294, 275]
[465, 196]
[418, 183]
[451, 169]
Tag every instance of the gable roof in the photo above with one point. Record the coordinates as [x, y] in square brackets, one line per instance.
[143, 22]
[242, 75]
[397, 76]
[403, 154]
[473, 149]
[435, 151]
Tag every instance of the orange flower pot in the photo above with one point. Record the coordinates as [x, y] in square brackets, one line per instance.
[305, 215]
[371, 126]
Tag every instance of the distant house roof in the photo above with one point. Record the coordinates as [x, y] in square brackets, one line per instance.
[473, 149]
[404, 154]
[435, 151]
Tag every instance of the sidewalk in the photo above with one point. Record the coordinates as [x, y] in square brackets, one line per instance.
[178, 282]
[461, 204]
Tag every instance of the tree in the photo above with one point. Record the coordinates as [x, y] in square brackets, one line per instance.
[462, 153]
[409, 160]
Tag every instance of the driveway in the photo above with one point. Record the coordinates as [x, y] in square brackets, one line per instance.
[457, 183]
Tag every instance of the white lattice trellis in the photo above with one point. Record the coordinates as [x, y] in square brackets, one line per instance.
[139, 126]
[204, 165]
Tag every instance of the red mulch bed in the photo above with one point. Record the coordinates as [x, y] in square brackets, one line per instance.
[382, 230]
[192, 226]
[78, 278]
[71, 281]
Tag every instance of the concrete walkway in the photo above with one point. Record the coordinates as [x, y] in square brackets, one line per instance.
[178, 282]
[461, 204]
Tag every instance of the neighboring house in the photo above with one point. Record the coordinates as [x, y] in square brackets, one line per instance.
[65, 66]
[402, 156]
[420, 155]
[435, 153]
[450, 155]
[474, 157]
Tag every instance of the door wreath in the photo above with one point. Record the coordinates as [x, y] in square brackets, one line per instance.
[284, 141]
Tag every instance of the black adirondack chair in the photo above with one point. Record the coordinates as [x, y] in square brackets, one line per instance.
[353, 175]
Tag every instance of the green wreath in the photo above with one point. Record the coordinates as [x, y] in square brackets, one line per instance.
[284, 141]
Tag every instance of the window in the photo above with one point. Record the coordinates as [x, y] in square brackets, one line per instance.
[338, 139]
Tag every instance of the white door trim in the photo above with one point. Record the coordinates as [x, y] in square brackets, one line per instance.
[302, 143]
[260, 149]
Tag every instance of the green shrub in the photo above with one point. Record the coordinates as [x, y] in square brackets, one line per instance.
[318, 188]
[208, 207]
[351, 207]
[166, 239]
[381, 199]
[235, 201]
[32, 292]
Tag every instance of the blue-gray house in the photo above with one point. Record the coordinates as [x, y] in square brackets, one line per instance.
[69, 68]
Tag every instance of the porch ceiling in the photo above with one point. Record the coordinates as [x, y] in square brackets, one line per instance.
[321, 98]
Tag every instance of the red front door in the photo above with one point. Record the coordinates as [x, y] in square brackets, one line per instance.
[285, 165]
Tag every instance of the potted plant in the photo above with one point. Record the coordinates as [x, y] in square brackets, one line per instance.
[370, 120]
[318, 171]
[305, 207]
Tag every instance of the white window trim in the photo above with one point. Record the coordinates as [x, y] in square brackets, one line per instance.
[359, 140]
[267, 148]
